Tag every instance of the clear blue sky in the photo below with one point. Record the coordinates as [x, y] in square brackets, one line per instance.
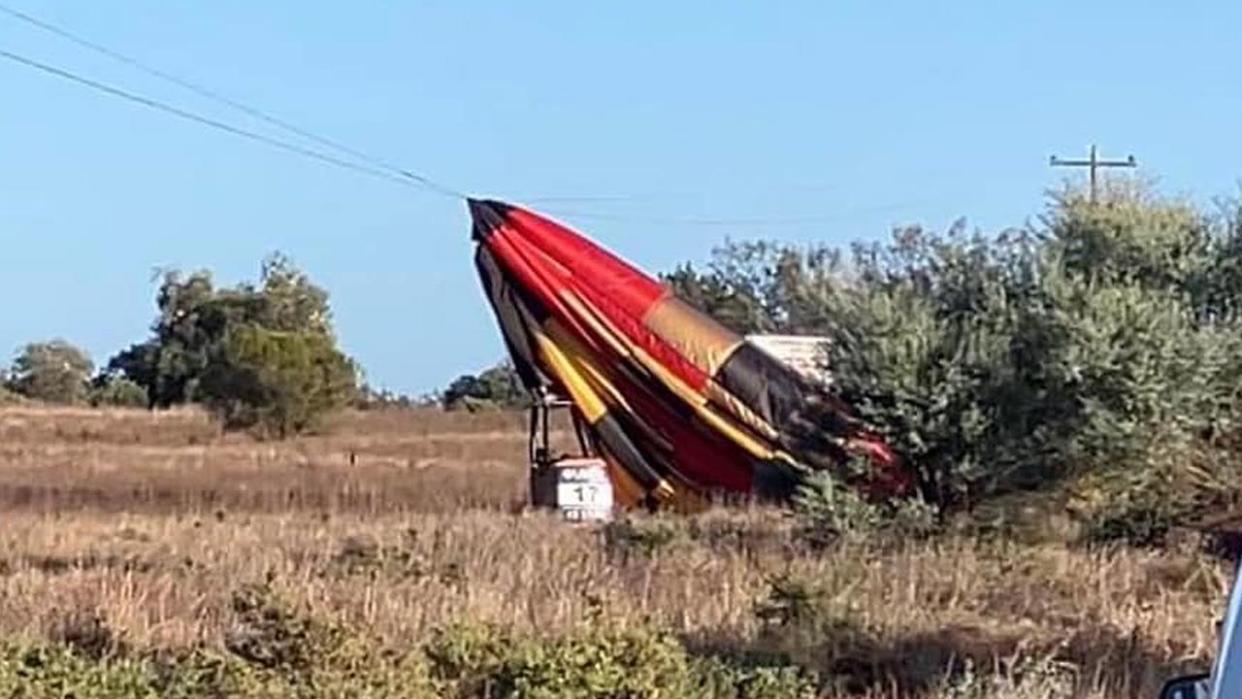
[866, 114]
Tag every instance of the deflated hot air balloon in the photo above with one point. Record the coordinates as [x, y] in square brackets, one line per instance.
[679, 407]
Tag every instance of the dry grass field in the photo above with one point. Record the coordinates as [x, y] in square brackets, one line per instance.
[129, 535]
[58, 460]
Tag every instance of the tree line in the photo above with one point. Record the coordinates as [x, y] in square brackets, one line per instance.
[261, 357]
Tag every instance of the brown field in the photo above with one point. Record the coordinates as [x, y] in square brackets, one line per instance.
[400, 523]
[177, 462]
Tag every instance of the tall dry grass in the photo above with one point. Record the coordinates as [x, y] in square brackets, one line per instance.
[153, 521]
[178, 461]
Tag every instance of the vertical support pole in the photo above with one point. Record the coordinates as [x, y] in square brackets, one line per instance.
[1093, 163]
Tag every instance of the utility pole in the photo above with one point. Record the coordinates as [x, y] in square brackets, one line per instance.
[1092, 163]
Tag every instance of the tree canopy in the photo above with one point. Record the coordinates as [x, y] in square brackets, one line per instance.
[52, 372]
[260, 355]
[495, 388]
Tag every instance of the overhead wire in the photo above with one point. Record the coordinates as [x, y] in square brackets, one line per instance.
[366, 163]
[214, 96]
[718, 222]
[649, 196]
[200, 119]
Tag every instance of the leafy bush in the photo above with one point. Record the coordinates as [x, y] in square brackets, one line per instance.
[1087, 349]
[645, 537]
[496, 388]
[42, 672]
[52, 372]
[791, 602]
[827, 510]
[277, 381]
[368, 397]
[466, 662]
[276, 650]
[260, 356]
[9, 396]
[56, 671]
[472, 661]
[272, 635]
[117, 392]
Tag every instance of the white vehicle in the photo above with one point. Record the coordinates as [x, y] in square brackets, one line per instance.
[1225, 679]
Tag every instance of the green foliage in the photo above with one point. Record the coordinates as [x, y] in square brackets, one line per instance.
[791, 602]
[759, 286]
[368, 397]
[191, 321]
[1083, 350]
[7, 395]
[281, 382]
[261, 356]
[51, 372]
[497, 388]
[1182, 482]
[828, 510]
[275, 651]
[195, 319]
[54, 672]
[273, 635]
[800, 616]
[117, 392]
[647, 537]
[473, 661]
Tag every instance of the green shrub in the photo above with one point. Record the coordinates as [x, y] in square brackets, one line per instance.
[473, 661]
[827, 510]
[277, 650]
[51, 372]
[1024, 362]
[117, 392]
[9, 396]
[642, 536]
[280, 383]
[497, 388]
[262, 357]
[54, 672]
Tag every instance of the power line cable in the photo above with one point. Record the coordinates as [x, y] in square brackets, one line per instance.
[720, 222]
[213, 123]
[381, 173]
[215, 96]
[648, 196]
[374, 166]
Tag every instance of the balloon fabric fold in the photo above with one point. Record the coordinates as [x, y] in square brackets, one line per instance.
[680, 408]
